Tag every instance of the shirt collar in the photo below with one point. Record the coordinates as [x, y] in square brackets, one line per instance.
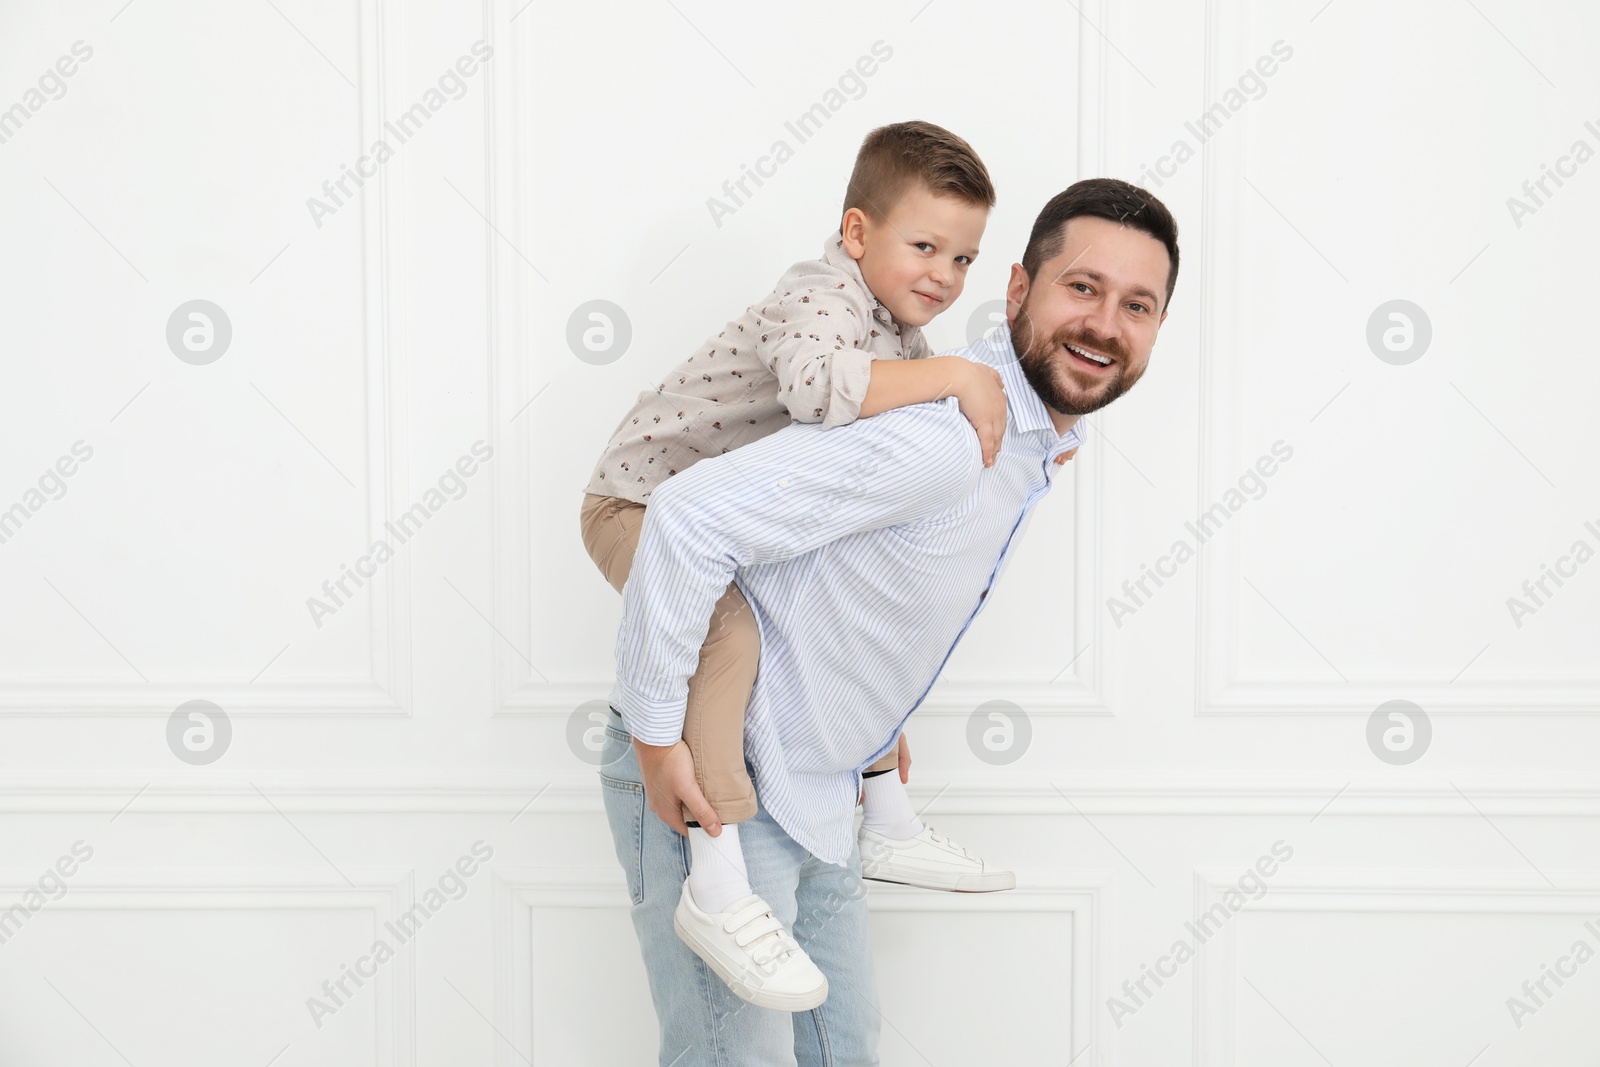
[834, 254]
[1024, 410]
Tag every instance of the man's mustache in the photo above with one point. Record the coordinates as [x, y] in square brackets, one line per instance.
[1105, 346]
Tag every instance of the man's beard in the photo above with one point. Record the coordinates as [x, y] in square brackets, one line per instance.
[1044, 363]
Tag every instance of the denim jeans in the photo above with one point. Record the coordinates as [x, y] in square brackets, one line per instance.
[702, 1023]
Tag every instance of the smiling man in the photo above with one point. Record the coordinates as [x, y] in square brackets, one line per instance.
[1087, 333]
[865, 551]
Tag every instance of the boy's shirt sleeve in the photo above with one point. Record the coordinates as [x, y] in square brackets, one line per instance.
[770, 501]
[819, 343]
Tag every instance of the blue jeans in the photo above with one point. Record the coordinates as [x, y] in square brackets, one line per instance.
[702, 1023]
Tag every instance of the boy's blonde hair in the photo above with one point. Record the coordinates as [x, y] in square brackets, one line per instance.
[894, 157]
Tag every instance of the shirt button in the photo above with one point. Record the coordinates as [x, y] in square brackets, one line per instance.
[783, 483]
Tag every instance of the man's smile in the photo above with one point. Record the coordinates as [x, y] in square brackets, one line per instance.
[1090, 360]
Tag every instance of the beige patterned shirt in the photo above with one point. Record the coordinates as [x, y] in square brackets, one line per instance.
[800, 355]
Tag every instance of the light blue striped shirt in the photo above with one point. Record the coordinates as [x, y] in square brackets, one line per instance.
[865, 551]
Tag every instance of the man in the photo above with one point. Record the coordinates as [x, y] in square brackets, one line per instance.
[865, 551]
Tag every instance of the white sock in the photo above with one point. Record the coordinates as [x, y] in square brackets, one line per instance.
[717, 875]
[888, 809]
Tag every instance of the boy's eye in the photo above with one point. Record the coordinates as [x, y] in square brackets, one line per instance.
[924, 246]
[964, 260]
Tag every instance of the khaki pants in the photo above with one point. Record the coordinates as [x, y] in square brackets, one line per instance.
[713, 723]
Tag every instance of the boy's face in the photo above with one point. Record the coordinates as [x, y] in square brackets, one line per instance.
[915, 261]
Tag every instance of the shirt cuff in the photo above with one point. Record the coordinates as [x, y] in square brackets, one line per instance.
[655, 722]
[849, 374]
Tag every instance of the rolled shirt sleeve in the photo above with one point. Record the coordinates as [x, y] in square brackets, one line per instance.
[815, 351]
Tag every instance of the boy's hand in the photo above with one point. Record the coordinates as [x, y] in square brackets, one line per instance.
[1068, 454]
[668, 776]
[983, 402]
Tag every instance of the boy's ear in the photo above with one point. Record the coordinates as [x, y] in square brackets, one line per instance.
[853, 228]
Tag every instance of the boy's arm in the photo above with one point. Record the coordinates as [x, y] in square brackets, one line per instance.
[816, 348]
[770, 501]
[896, 383]
[976, 386]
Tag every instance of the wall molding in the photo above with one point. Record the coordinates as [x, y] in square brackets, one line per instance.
[1219, 691]
[1358, 890]
[387, 692]
[1084, 895]
[384, 892]
[531, 795]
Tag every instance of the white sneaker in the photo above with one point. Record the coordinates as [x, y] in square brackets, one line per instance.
[751, 951]
[930, 860]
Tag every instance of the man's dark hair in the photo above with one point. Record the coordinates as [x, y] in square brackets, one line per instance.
[1104, 198]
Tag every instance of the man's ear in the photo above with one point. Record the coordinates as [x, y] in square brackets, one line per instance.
[853, 227]
[1016, 291]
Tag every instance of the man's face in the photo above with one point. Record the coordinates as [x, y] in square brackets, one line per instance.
[1103, 295]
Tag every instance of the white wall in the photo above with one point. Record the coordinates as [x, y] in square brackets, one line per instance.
[1173, 741]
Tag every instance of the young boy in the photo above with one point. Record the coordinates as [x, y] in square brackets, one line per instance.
[837, 339]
